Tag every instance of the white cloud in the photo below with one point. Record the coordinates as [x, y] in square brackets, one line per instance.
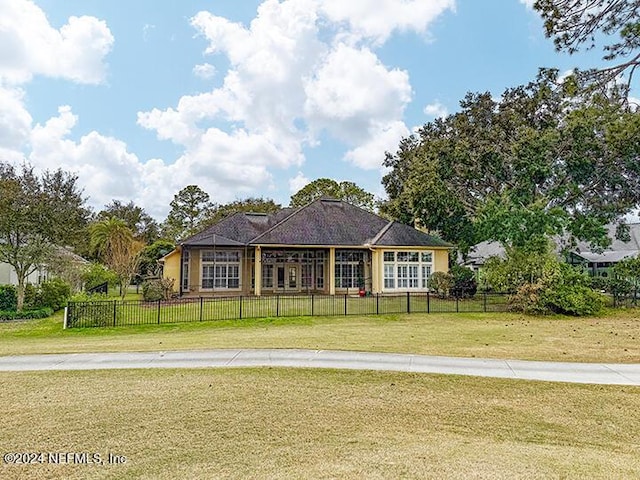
[352, 90]
[15, 120]
[205, 71]
[298, 182]
[528, 3]
[382, 138]
[378, 19]
[29, 45]
[300, 69]
[436, 110]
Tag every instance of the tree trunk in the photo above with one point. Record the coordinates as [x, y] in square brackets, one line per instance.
[20, 292]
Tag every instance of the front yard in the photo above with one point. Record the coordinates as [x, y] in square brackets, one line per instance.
[613, 337]
[283, 423]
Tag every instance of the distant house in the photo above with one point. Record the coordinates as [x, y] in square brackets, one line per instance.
[327, 247]
[595, 263]
[8, 275]
[42, 273]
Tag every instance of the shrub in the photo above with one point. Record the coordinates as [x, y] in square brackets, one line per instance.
[30, 297]
[53, 294]
[8, 297]
[464, 282]
[26, 314]
[441, 283]
[543, 284]
[97, 274]
[157, 289]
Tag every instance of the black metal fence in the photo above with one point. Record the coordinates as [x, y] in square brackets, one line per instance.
[138, 312]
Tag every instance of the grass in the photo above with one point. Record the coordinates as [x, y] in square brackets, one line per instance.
[613, 337]
[281, 423]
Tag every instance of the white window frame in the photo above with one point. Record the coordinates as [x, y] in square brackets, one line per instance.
[406, 270]
[221, 270]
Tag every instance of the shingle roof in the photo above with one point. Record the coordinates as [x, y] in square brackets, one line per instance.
[399, 234]
[617, 251]
[325, 222]
[237, 229]
[322, 222]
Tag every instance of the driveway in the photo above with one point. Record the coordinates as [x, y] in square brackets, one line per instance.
[600, 373]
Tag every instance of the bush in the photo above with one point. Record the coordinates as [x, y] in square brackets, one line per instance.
[30, 297]
[562, 290]
[464, 282]
[26, 314]
[97, 274]
[441, 283]
[53, 294]
[159, 289]
[8, 297]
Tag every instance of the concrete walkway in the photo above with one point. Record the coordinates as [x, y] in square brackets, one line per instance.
[601, 373]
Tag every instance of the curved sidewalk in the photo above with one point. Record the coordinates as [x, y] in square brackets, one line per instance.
[600, 373]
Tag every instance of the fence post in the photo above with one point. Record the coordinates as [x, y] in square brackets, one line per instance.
[485, 301]
[201, 308]
[312, 304]
[66, 317]
[115, 305]
[457, 304]
[377, 304]
[240, 307]
[278, 305]
[408, 302]
[428, 302]
[345, 303]
[158, 312]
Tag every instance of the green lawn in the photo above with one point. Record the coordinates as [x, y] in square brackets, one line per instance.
[613, 337]
[283, 423]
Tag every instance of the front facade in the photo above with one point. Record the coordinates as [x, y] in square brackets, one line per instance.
[326, 247]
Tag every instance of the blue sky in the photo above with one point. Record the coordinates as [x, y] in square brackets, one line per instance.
[246, 98]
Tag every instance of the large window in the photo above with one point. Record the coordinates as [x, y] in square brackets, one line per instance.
[349, 268]
[407, 270]
[267, 276]
[220, 269]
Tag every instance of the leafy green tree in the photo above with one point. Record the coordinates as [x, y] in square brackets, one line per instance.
[117, 247]
[140, 222]
[538, 162]
[326, 187]
[148, 266]
[36, 213]
[582, 24]
[251, 204]
[188, 208]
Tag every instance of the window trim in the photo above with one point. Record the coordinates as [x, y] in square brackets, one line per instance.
[405, 274]
[217, 266]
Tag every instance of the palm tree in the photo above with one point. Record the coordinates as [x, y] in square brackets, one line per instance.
[115, 244]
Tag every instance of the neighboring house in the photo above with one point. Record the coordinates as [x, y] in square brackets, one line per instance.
[65, 260]
[326, 247]
[8, 275]
[595, 263]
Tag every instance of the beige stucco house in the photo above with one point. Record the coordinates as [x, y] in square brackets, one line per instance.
[326, 247]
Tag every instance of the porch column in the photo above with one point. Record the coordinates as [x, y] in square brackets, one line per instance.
[375, 271]
[257, 272]
[332, 271]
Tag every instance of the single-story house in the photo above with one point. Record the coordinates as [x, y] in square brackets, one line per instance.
[8, 275]
[328, 246]
[596, 263]
[42, 273]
